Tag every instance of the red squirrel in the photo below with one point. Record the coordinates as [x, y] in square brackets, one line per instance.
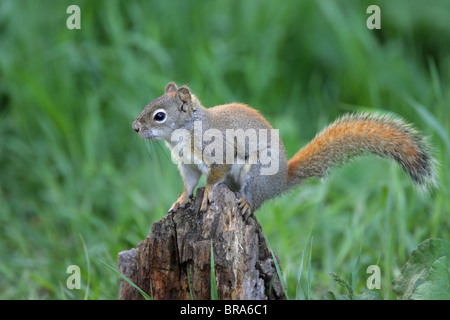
[178, 110]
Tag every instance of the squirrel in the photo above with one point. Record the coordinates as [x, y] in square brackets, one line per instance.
[350, 136]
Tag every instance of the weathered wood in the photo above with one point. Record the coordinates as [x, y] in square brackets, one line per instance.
[180, 243]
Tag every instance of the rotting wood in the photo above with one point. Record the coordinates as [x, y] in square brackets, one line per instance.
[180, 243]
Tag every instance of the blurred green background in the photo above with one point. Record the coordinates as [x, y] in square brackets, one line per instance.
[77, 185]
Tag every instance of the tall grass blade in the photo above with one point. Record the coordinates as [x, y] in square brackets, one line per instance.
[189, 282]
[88, 262]
[431, 121]
[308, 292]
[277, 267]
[214, 295]
[300, 294]
[146, 296]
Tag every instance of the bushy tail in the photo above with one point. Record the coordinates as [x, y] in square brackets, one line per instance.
[356, 134]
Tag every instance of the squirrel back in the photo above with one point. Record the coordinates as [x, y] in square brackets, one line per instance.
[356, 134]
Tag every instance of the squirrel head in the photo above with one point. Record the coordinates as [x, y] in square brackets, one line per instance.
[173, 110]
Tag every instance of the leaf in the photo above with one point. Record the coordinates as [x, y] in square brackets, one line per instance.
[437, 282]
[425, 275]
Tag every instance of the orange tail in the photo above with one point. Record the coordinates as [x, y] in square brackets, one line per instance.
[354, 135]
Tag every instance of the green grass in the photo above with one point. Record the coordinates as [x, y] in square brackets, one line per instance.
[144, 295]
[78, 185]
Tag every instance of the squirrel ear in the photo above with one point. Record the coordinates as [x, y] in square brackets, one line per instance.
[184, 94]
[170, 87]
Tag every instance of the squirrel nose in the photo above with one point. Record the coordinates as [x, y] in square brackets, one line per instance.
[136, 126]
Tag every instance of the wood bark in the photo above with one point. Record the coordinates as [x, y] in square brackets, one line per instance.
[174, 261]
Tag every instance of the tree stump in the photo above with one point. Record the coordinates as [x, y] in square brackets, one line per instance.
[175, 258]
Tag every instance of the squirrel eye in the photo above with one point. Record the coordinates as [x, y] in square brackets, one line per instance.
[159, 116]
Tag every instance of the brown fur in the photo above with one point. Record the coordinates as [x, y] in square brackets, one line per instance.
[354, 135]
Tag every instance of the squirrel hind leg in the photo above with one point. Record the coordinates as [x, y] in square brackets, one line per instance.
[258, 188]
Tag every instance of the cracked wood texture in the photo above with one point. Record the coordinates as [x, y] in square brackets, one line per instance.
[180, 243]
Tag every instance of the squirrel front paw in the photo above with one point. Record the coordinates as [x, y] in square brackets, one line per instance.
[207, 198]
[244, 208]
[182, 201]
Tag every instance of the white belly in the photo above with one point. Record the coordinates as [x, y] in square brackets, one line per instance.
[238, 172]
